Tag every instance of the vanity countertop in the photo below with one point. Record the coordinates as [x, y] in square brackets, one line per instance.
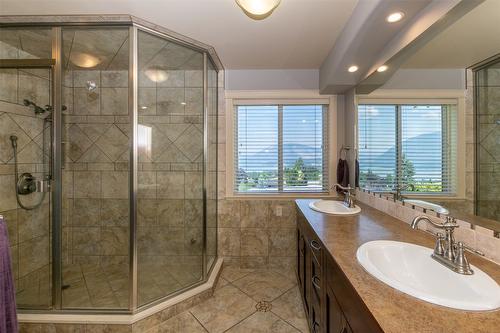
[394, 311]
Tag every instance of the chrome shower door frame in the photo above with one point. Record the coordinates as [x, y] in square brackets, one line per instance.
[55, 64]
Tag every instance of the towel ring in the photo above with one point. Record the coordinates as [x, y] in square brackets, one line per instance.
[344, 150]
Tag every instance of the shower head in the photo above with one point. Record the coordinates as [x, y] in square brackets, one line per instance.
[91, 86]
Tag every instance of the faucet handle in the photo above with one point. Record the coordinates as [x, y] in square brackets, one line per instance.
[450, 223]
[472, 250]
[439, 247]
[461, 262]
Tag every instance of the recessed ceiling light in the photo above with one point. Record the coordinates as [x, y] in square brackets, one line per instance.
[395, 17]
[144, 107]
[352, 69]
[382, 68]
[183, 103]
[258, 9]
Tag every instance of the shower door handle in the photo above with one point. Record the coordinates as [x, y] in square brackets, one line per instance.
[44, 185]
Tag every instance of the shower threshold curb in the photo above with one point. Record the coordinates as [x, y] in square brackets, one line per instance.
[122, 319]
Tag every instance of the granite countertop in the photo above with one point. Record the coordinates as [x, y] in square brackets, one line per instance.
[393, 310]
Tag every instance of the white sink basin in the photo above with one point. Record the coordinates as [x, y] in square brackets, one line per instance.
[427, 205]
[410, 269]
[333, 207]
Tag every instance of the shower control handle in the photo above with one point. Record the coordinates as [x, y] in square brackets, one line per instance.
[27, 184]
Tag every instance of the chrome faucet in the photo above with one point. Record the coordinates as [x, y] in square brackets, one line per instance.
[446, 251]
[348, 196]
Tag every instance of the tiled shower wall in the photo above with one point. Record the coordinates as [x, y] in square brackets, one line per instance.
[488, 145]
[96, 167]
[29, 230]
[170, 206]
[95, 145]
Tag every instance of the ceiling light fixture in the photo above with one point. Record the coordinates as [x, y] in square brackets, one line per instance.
[382, 68]
[395, 17]
[156, 74]
[352, 69]
[258, 9]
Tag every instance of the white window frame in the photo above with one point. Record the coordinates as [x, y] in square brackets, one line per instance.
[428, 96]
[239, 97]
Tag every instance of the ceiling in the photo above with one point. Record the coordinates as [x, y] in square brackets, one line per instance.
[472, 39]
[298, 35]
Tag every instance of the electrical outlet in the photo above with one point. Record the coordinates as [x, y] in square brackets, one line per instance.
[279, 211]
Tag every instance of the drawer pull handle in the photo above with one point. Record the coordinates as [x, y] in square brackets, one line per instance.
[315, 245]
[316, 281]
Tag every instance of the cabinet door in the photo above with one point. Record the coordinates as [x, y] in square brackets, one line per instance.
[334, 319]
[307, 275]
[300, 260]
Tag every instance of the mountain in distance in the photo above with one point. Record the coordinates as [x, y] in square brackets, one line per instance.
[431, 142]
[268, 158]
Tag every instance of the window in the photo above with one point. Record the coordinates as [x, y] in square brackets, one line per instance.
[413, 146]
[280, 148]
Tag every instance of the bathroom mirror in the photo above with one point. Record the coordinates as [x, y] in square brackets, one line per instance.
[430, 133]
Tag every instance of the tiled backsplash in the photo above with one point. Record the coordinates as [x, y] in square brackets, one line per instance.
[476, 237]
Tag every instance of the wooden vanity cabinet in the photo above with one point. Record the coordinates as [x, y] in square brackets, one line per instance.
[330, 302]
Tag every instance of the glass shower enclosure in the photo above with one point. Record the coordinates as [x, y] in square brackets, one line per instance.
[487, 148]
[108, 163]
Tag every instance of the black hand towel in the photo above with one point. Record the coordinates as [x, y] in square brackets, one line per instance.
[342, 173]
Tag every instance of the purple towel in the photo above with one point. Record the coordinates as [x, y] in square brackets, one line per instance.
[8, 315]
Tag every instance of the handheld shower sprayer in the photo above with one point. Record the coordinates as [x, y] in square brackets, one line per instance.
[13, 140]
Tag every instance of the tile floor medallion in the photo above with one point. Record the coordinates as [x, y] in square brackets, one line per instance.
[245, 301]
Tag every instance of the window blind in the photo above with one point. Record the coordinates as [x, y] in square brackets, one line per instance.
[280, 148]
[410, 145]
[377, 146]
[428, 148]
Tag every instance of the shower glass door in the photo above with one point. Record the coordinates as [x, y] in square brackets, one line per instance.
[96, 136]
[487, 85]
[25, 136]
[170, 234]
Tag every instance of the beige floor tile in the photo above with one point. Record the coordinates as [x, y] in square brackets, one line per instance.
[263, 322]
[226, 308]
[221, 282]
[264, 285]
[234, 273]
[184, 322]
[290, 308]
